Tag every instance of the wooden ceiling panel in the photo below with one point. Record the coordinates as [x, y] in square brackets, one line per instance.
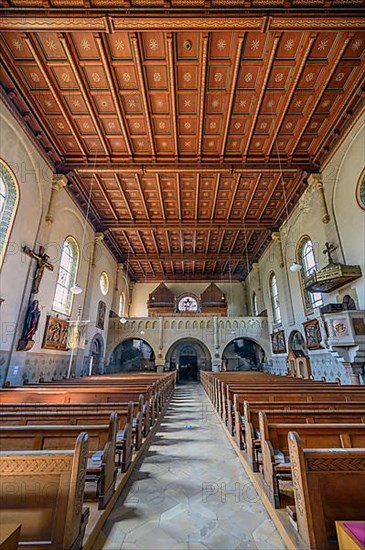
[195, 142]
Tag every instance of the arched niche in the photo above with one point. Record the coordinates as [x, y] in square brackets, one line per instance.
[298, 359]
[243, 354]
[132, 355]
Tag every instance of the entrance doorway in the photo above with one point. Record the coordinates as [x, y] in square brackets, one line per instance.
[188, 356]
[188, 363]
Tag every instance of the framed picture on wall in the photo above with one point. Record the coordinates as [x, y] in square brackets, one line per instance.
[55, 334]
[100, 318]
[313, 335]
[278, 342]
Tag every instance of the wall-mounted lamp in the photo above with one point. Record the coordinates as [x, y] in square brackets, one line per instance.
[76, 289]
[295, 267]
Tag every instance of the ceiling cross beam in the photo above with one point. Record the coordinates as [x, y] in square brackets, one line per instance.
[191, 225]
[301, 60]
[21, 89]
[233, 195]
[188, 256]
[158, 183]
[140, 189]
[262, 87]
[323, 83]
[197, 191]
[171, 69]
[232, 94]
[214, 203]
[105, 195]
[142, 89]
[188, 167]
[124, 197]
[71, 57]
[357, 78]
[203, 76]
[178, 195]
[42, 67]
[255, 186]
[113, 90]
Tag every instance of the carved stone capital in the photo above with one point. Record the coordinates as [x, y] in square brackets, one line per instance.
[315, 182]
[276, 238]
[99, 237]
[59, 181]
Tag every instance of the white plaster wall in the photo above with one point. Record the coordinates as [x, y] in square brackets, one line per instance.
[234, 292]
[346, 230]
[35, 179]
[350, 218]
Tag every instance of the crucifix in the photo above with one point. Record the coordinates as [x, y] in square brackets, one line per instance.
[42, 264]
[329, 248]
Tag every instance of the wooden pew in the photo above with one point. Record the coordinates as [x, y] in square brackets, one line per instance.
[296, 395]
[143, 415]
[252, 439]
[329, 485]
[53, 415]
[248, 413]
[102, 448]
[274, 438]
[44, 491]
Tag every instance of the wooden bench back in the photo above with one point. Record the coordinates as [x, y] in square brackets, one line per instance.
[328, 486]
[40, 437]
[64, 417]
[67, 395]
[312, 435]
[44, 491]
[250, 409]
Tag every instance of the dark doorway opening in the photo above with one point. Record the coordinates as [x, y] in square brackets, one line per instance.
[188, 362]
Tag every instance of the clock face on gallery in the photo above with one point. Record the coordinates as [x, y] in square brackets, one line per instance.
[187, 303]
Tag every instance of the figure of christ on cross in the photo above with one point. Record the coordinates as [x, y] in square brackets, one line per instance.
[42, 264]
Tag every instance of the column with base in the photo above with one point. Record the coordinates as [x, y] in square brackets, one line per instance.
[355, 372]
[59, 181]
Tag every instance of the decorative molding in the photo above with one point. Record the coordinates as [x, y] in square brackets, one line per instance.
[187, 23]
[336, 463]
[36, 464]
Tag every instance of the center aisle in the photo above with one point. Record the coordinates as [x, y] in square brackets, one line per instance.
[190, 490]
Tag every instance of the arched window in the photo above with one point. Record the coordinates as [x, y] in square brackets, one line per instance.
[67, 273]
[274, 297]
[307, 260]
[9, 198]
[121, 304]
[255, 310]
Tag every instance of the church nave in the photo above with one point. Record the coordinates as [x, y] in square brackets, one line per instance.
[190, 490]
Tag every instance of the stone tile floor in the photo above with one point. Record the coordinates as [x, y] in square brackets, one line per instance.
[190, 490]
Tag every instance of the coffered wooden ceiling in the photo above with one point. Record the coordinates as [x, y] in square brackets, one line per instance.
[192, 133]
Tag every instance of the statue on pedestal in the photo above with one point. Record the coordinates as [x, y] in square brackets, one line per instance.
[30, 326]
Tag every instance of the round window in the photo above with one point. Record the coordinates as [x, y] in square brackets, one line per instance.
[104, 283]
[187, 303]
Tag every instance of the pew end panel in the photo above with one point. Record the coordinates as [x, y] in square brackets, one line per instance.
[44, 490]
[329, 485]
